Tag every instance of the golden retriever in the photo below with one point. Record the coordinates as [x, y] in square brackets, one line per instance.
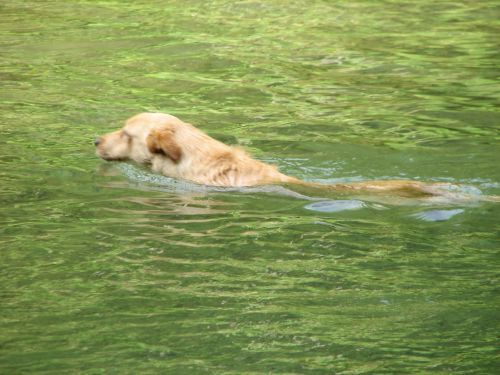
[177, 149]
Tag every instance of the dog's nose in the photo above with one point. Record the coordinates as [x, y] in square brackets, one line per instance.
[97, 141]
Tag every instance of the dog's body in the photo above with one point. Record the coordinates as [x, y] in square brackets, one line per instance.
[179, 150]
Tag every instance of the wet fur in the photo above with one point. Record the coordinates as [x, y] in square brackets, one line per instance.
[177, 149]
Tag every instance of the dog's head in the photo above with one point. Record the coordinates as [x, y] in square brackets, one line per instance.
[143, 137]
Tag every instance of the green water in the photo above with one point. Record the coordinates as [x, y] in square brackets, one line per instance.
[109, 269]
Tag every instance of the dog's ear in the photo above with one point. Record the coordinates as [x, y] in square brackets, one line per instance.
[161, 141]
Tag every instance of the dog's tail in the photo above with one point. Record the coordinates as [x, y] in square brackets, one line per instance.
[489, 198]
[403, 189]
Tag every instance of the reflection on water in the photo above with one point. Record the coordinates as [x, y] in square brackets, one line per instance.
[110, 268]
[438, 215]
[335, 206]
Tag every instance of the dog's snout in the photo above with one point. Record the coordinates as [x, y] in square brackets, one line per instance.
[97, 141]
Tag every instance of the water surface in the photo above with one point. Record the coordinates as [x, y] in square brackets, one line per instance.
[107, 268]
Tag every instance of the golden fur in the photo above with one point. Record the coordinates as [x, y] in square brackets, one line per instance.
[177, 149]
